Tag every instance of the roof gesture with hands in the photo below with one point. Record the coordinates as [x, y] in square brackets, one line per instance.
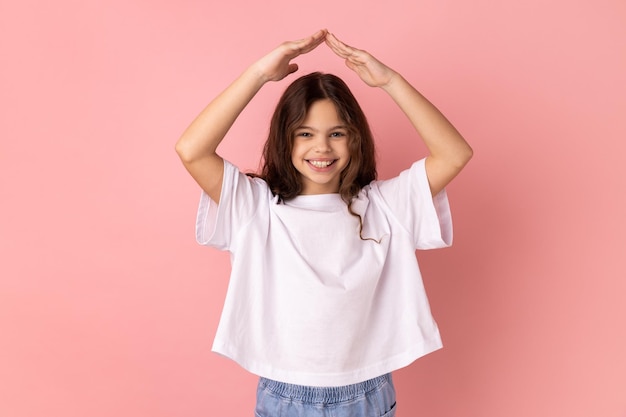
[197, 146]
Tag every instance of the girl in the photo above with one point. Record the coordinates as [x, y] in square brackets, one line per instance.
[325, 298]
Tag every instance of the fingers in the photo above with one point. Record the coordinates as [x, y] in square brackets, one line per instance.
[292, 68]
[367, 67]
[277, 64]
[319, 36]
[340, 48]
[308, 44]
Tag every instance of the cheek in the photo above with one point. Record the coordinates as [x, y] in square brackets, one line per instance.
[296, 159]
[294, 155]
[351, 148]
[345, 168]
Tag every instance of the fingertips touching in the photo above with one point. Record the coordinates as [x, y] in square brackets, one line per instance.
[335, 40]
[338, 46]
[318, 37]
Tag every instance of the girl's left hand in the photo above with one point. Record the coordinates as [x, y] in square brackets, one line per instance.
[373, 72]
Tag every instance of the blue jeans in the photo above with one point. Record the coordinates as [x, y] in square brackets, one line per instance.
[372, 398]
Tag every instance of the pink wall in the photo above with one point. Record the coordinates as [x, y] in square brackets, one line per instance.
[107, 305]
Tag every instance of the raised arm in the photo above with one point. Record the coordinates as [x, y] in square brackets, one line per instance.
[198, 144]
[448, 151]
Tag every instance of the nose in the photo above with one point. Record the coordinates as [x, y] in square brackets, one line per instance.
[322, 144]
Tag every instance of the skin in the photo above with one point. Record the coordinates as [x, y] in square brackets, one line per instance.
[448, 151]
[321, 139]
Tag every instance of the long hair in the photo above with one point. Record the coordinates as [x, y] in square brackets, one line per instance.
[276, 166]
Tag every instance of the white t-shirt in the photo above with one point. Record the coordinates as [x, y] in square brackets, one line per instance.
[308, 301]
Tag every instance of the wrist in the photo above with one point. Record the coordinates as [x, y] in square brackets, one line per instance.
[394, 80]
[256, 75]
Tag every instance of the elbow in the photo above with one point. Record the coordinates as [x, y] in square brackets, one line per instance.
[468, 155]
[462, 157]
[183, 151]
[180, 150]
[190, 154]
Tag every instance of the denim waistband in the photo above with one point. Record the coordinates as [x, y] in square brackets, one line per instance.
[325, 395]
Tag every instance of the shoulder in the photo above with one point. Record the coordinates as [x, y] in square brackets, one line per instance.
[244, 188]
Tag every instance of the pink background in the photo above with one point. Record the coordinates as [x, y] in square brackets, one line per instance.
[107, 305]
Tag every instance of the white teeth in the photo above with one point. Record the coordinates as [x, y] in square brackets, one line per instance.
[321, 164]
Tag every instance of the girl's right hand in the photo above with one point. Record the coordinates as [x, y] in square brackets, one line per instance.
[277, 64]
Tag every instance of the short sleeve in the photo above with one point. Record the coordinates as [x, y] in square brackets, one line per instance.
[241, 196]
[425, 217]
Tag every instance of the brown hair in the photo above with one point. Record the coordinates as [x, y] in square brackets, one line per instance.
[276, 166]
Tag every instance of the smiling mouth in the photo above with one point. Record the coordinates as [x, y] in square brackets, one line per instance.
[321, 164]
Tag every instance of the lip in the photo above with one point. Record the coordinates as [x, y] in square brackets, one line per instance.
[319, 169]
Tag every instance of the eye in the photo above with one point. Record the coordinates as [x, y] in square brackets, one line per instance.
[337, 134]
[304, 134]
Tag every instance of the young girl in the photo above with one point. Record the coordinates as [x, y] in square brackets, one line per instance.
[325, 297]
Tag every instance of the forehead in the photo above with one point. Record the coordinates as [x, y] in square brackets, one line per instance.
[322, 112]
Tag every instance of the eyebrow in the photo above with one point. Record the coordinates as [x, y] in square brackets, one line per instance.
[316, 130]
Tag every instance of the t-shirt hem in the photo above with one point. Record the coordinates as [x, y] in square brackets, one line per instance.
[333, 379]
